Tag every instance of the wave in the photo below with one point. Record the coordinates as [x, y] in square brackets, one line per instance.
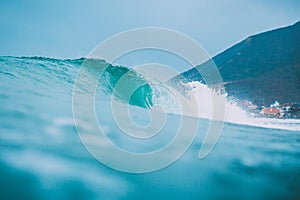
[151, 92]
[126, 85]
[134, 88]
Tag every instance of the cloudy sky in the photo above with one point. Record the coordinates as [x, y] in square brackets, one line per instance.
[70, 29]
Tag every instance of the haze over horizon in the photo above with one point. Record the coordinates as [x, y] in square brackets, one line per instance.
[71, 30]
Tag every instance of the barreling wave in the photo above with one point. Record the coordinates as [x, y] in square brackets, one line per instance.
[125, 84]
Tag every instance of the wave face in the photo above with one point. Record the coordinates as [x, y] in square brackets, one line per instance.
[134, 88]
[41, 151]
[142, 96]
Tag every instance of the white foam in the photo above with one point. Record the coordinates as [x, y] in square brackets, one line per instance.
[234, 114]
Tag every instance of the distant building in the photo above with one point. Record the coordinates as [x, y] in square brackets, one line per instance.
[252, 107]
[286, 108]
[271, 111]
[249, 105]
[275, 104]
[291, 110]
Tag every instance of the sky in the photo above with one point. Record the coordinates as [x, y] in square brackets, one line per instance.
[71, 29]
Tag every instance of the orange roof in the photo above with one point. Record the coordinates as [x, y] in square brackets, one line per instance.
[271, 111]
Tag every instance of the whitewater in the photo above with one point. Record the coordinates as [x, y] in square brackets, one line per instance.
[235, 114]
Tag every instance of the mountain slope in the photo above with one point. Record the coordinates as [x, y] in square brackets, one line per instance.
[262, 68]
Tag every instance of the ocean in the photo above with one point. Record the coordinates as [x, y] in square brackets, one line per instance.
[42, 156]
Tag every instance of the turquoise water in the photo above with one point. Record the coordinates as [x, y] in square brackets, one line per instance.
[42, 157]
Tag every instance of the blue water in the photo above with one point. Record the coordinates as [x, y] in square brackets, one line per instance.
[42, 157]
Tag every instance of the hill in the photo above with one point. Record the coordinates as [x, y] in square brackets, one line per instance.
[262, 68]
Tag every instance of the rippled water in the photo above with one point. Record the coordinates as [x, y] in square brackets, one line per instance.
[42, 157]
